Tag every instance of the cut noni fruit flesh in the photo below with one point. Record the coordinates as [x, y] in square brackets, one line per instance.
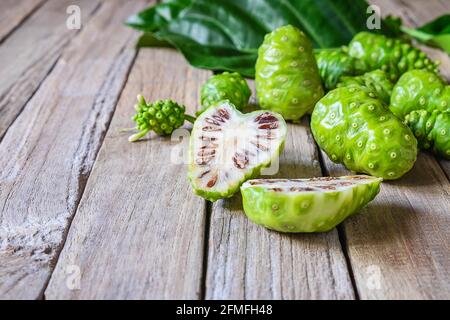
[228, 147]
[307, 205]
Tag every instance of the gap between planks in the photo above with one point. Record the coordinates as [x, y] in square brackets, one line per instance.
[340, 230]
[45, 204]
[415, 14]
[83, 182]
[145, 241]
[15, 12]
[247, 261]
[398, 245]
[26, 67]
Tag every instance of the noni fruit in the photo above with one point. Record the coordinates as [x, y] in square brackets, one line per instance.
[286, 75]
[225, 86]
[334, 64]
[419, 89]
[377, 81]
[306, 205]
[432, 130]
[376, 51]
[161, 117]
[356, 129]
[228, 147]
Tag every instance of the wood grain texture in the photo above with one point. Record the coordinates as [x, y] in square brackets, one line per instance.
[30, 53]
[139, 230]
[415, 13]
[13, 13]
[47, 154]
[399, 246]
[247, 261]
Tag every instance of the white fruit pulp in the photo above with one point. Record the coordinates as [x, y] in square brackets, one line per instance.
[321, 184]
[239, 138]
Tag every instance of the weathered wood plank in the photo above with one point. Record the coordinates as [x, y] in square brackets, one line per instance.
[398, 246]
[139, 229]
[445, 5]
[30, 53]
[247, 261]
[415, 14]
[445, 164]
[47, 154]
[13, 13]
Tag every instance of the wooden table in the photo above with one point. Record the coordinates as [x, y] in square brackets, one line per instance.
[85, 214]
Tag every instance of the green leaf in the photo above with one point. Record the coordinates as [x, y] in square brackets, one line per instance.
[149, 40]
[226, 34]
[155, 17]
[392, 26]
[435, 33]
[214, 58]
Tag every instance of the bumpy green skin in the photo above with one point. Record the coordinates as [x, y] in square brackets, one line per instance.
[419, 89]
[377, 81]
[162, 117]
[334, 64]
[287, 79]
[376, 51]
[356, 129]
[432, 130]
[305, 212]
[225, 86]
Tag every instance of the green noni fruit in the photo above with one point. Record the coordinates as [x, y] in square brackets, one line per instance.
[419, 89]
[286, 75]
[432, 130]
[161, 117]
[334, 64]
[356, 129]
[228, 147]
[377, 81]
[225, 86]
[306, 205]
[376, 51]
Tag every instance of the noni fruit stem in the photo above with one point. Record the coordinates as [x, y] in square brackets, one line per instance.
[225, 86]
[395, 56]
[419, 89]
[377, 81]
[355, 128]
[432, 130]
[161, 117]
[286, 75]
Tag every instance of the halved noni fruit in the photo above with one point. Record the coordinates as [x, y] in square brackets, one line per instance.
[307, 205]
[228, 147]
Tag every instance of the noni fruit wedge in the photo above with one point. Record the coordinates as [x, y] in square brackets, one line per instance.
[306, 205]
[377, 81]
[334, 64]
[161, 117]
[419, 89]
[286, 75]
[225, 86]
[228, 147]
[432, 130]
[376, 51]
[357, 129]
